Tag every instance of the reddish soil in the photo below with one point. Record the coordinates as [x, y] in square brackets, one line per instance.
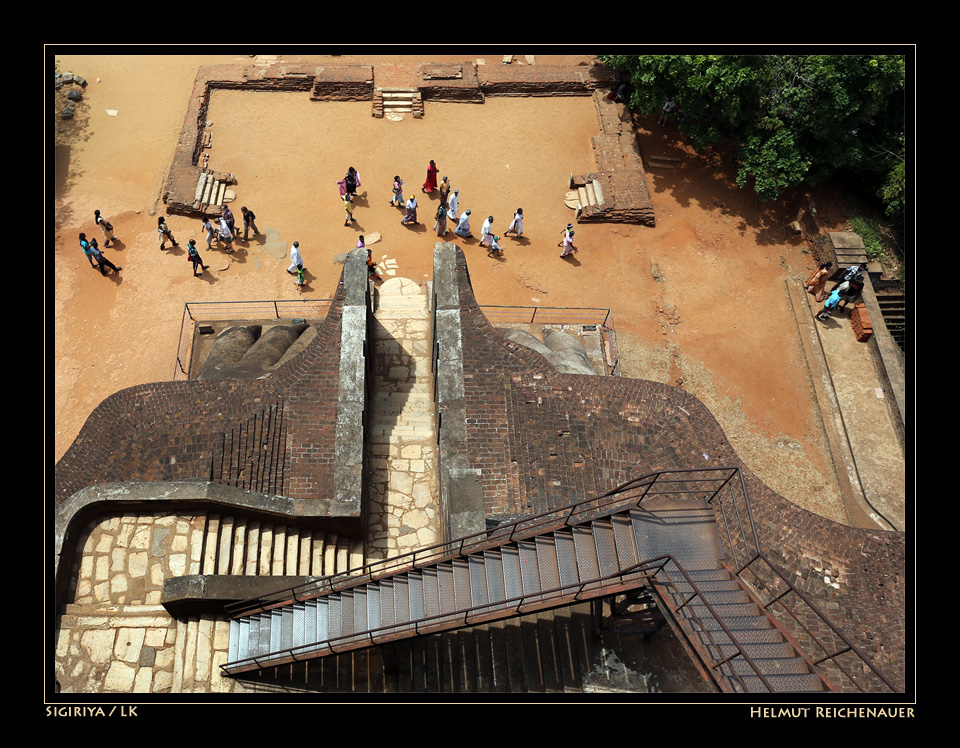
[699, 301]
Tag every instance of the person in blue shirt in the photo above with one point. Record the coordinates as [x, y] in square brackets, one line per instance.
[87, 249]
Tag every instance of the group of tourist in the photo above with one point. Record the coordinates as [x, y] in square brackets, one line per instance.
[844, 291]
[225, 231]
[448, 209]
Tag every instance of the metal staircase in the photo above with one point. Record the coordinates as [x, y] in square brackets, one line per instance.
[658, 532]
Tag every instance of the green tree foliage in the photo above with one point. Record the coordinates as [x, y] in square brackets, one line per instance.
[796, 118]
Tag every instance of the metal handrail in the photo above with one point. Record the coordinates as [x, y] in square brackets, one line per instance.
[604, 504]
[626, 495]
[758, 555]
[560, 315]
[528, 602]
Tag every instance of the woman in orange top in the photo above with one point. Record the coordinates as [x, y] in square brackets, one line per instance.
[816, 283]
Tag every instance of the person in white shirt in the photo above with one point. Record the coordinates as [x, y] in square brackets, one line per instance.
[410, 215]
[454, 206]
[486, 233]
[568, 248]
[463, 227]
[296, 259]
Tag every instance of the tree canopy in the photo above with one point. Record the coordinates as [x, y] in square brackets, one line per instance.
[795, 118]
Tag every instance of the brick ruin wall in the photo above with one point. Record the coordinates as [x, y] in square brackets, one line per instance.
[620, 170]
[273, 436]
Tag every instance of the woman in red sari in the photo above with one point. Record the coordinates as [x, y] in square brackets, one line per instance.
[431, 184]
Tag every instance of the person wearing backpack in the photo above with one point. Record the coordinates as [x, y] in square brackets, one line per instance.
[193, 255]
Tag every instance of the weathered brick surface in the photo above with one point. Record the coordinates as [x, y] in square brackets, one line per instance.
[620, 169]
[545, 80]
[272, 435]
[544, 439]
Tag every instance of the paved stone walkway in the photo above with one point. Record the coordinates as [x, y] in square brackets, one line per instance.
[402, 440]
[116, 637]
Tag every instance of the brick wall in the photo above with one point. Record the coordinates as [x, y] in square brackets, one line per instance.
[620, 170]
[544, 439]
[323, 82]
[274, 435]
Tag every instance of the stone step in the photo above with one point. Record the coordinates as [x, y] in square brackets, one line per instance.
[401, 313]
[409, 432]
[403, 302]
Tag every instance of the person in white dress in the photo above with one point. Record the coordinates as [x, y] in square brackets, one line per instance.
[516, 225]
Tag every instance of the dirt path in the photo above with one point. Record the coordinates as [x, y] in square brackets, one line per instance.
[698, 301]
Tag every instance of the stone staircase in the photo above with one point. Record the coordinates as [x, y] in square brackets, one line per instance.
[402, 425]
[548, 652]
[116, 637]
[393, 103]
[893, 307]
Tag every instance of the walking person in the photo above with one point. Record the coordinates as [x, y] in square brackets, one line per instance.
[495, 247]
[486, 232]
[453, 206]
[829, 305]
[164, 233]
[211, 231]
[194, 256]
[226, 236]
[397, 198]
[565, 233]
[668, 111]
[463, 226]
[227, 215]
[444, 189]
[372, 271]
[300, 278]
[568, 248]
[410, 215]
[249, 222]
[106, 227]
[296, 259]
[430, 185]
[102, 262]
[849, 291]
[441, 225]
[348, 207]
[516, 225]
[350, 182]
[87, 249]
[817, 282]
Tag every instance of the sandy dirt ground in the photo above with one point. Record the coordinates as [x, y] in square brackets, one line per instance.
[699, 301]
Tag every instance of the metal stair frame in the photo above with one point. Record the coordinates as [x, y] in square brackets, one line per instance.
[553, 536]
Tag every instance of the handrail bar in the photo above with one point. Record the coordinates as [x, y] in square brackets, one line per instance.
[441, 621]
[527, 526]
[850, 646]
